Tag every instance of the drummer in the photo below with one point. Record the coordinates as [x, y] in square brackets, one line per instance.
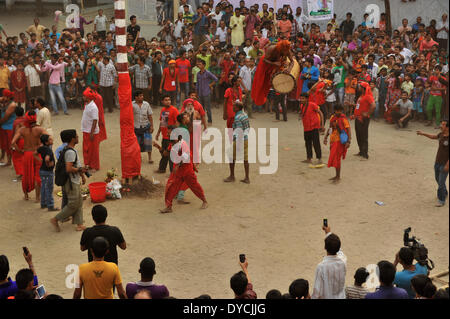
[272, 61]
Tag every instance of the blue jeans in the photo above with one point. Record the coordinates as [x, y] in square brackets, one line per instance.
[47, 189]
[340, 95]
[441, 176]
[184, 87]
[205, 101]
[57, 91]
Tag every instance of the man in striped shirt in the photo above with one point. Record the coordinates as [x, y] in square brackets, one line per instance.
[108, 76]
[241, 126]
[357, 291]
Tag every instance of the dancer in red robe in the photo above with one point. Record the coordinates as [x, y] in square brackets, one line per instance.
[31, 136]
[17, 154]
[98, 100]
[183, 173]
[338, 149]
[271, 62]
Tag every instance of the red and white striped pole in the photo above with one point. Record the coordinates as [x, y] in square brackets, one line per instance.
[121, 35]
[129, 148]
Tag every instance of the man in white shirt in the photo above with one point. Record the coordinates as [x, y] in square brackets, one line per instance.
[442, 29]
[100, 24]
[32, 73]
[372, 67]
[90, 129]
[216, 15]
[301, 19]
[246, 74]
[330, 273]
[43, 118]
[181, 7]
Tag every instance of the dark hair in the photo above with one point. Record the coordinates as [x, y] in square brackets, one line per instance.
[332, 244]
[23, 278]
[180, 117]
[423, 286]
[24, 295]
[166, 95]
[361, 275]
[100, 246]
[406, 255]
[19, 111]
[441, 294]
[137, 93]
[68, 135]
[201, 61]
[286, 296]
[299, 288]
[386, 272]
[4, 267]
[204, 296]
[238, 283]
[273, 294]
[44, 138]
[132, 17]
[147, 268]
[53, 297]
[99, 214]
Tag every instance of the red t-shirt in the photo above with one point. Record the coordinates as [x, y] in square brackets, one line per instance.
[363, 105]
[318, 97]
[435, 82]
[167, 117]
[170, 80]
[198, 107]
[310, 116]
[231, 97]
[183, 70]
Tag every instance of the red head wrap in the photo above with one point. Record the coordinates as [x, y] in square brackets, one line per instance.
[30, 119]
[89, 94]
[7, 93]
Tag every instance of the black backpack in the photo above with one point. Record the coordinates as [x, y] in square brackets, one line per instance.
[61, 175]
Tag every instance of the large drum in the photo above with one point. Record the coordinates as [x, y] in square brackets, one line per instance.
[285, 81]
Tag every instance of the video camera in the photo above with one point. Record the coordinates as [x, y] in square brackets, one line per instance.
[419, 249]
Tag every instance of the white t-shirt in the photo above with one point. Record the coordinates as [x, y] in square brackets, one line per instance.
[222, 34]
[178, 28]
[442, 34]
[100, 22]
[44, 119]
[216, 16]
[33, 75]
[90, 114]
[407, 54]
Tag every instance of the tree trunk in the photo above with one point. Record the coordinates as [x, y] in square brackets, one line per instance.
[387, 8]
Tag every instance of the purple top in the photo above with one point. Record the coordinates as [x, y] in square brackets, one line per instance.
[82, 21]
[388, 293]
[157, 292]
[10, 288]
[203, 81]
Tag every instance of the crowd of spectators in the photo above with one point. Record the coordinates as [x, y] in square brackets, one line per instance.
[100, 277]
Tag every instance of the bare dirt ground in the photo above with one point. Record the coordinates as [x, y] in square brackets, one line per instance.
[276, 220]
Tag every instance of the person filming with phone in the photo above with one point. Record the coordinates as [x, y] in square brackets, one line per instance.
[330, 273]
[240, 283]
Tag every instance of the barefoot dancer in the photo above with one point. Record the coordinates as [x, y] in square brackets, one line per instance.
[241, 125]
[6, 124]
[183, 172]
[338, 124]
[31, 137]
[272, 61]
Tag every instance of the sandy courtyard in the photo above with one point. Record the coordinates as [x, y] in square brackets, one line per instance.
[276, 220]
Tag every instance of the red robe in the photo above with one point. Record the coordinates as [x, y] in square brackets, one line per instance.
[17, 156]
[30, 177]
[19, 81]
[101, 117]
[262, 82]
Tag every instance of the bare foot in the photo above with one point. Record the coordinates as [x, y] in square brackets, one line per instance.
[182, 201]
[80, 228]
[25, 197]
[337, 180]
[54, 222]
[150, 162]
[166, 210]
[332, 179]
[204, 205]
[229, 179]
[245, 180]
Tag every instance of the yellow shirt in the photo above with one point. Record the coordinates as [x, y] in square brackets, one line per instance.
[334, 136]
[98, 278]
[261, 15]
[39, 30]
[4, 77]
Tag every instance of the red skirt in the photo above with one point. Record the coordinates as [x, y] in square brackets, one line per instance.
[17, 158]
[91, 151]
[6, 137]
[262, 82]
[337, 152]
[30, 177]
